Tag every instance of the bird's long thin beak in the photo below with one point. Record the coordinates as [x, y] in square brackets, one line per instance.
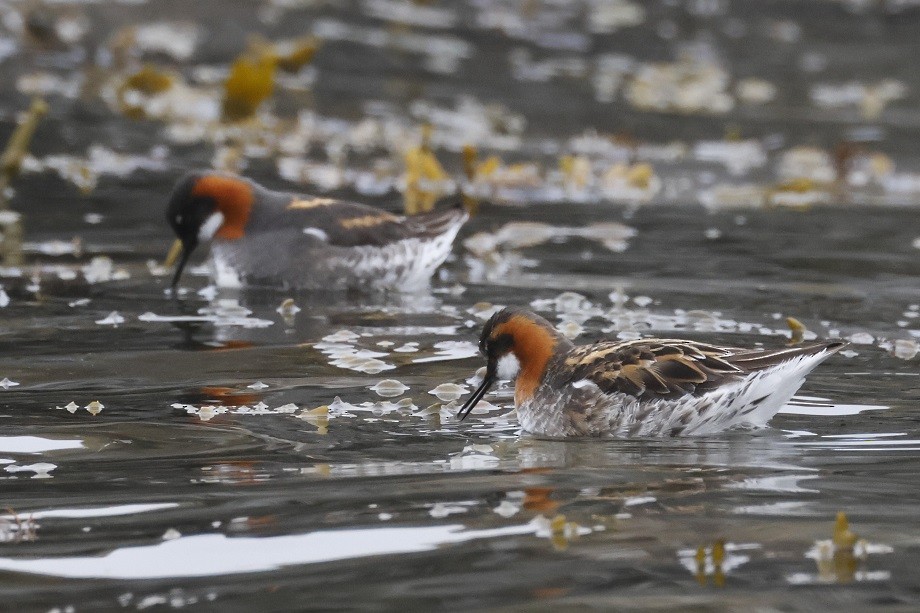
[183, 260]
[473, 400]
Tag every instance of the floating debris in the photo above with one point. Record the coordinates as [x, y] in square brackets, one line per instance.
[636, 183]
[425, 179]
[258, 385]
[517, 235]
[570, 329]
[95, 407]
[112, 319]
[17, 147]
[842, 558]
[440, 509]
[72, 407]
[738, 157]
[571, 302]
[688, 86]
[905, 349]
[870, 99]
[319, 417]
[42, 470]
[506, 509]
[18, 528]
[447, 392]
[101, 269]
[176, 39]
[484, 310]
[798, 330]
[811, 163]
[724, 196]
[389, 388]
[171, 534]
[558, 530]
[843, 537]
[84, 172]
[755, 91]
[251, 81]
[861, 338]
[288, 308]
[342, 336]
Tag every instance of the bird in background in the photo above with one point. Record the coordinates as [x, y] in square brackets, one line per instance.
[645, 387]
[309, 242]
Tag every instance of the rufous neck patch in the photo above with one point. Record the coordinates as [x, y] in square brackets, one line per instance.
[234, 199]
[533, 346]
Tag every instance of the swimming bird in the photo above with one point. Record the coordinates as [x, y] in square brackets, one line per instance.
[645, 387]
[305, 241]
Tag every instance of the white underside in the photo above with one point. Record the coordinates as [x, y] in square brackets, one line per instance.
[405, 265]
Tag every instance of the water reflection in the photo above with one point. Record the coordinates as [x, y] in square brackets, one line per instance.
[217, 554]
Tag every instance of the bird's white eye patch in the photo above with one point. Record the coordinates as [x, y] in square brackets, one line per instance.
[508, 366]
[210, 226]
[320, 234]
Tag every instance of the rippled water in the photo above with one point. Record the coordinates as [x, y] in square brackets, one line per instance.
[241, 461]
[384, 503]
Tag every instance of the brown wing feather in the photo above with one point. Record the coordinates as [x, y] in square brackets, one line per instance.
[349, 224]
[663, 368]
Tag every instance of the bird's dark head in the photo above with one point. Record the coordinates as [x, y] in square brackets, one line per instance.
[205, 205]
[516, 343]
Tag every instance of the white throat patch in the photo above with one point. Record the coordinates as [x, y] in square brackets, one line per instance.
[210, 226]
[508, 367]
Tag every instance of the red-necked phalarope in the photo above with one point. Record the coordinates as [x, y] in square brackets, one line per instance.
[643, 387]
[306, 241]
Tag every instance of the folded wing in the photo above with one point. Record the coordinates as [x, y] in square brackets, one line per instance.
[664, 368]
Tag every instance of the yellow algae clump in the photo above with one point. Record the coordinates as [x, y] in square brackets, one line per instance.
[843, 539]
[146, 82]
[470, 157]
[18, 145]
[718, 552]
[488, 167]
[799, 185]
[319, 417]
[149, 80]
[576, 171]
[423, 177]
[798, 330]
[251, 81]
[297, 54]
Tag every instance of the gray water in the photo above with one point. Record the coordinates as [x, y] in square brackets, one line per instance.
[234, 467]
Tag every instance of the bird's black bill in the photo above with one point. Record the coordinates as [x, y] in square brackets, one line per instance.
[477, 396]
[183, 260]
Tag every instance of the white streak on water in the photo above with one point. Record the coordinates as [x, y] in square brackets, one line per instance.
[36, 444]
[206, 555]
